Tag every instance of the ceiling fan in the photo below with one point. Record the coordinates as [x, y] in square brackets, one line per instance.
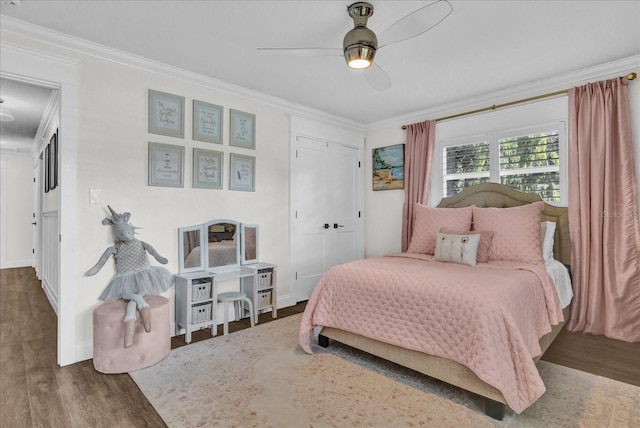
[361, 44]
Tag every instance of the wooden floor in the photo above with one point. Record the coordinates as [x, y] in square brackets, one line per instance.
[36, 392]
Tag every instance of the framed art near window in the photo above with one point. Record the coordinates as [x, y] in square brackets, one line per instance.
[207, 122]
[166, 165]
[166, 114]
[207, 169]
[242, 172]
[243, 129]
[388, 167]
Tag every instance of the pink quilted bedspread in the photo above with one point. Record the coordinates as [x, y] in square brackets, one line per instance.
[488, 318]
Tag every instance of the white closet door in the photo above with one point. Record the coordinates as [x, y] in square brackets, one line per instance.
[325, 198]
[343, 206]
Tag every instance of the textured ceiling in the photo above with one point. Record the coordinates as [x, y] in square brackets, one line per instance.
[482, 47]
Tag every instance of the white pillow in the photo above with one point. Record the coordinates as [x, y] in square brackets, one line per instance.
[547, 230]
[461, 249]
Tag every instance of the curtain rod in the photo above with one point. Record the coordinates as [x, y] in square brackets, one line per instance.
[630, 76]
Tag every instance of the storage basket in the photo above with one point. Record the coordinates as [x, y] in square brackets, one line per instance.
[201, 291]
[264, 279]
[201, 313]
[264, 299]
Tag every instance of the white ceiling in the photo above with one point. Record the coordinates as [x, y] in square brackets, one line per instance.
[28, 104]
[482, 47]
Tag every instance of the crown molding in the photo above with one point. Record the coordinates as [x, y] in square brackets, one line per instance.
[560, 82]
[54, 38]
[530, 89]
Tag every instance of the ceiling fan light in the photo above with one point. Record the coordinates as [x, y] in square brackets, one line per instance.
[359, 56]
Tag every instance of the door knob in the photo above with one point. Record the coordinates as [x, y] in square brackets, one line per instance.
[336, 225]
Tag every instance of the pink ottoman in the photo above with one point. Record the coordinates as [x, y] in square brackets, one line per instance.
[109, 353]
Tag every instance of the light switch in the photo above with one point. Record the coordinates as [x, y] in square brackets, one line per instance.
[94, 197]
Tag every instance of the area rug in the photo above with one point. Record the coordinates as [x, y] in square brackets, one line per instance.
[259, 377]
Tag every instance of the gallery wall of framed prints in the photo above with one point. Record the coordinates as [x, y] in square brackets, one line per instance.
[166, 161]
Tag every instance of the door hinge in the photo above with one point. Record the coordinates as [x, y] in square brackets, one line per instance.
[34, 179]
[33, 251]
[358, 164]
[296, 276]
[358, 214]
[60, 238]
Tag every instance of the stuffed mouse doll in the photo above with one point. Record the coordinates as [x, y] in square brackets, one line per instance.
[135, 277]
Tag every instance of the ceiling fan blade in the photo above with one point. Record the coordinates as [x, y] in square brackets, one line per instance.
[377, 77]
[415, 23]
[304, 51]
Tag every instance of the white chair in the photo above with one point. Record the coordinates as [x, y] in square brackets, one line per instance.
[236, 298]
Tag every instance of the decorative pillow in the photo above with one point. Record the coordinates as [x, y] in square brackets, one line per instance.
[547, 230]
[485, 241]
[457, 248]
[428, 222]
[516, 232]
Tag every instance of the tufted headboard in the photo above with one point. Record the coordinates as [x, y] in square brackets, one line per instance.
[501, 196]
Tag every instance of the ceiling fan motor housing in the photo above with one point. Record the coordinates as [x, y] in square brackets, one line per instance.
[360, 43]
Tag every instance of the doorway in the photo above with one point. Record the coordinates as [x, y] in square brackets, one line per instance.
[44, 69]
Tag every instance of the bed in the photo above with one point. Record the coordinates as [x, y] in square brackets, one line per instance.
[478, 326]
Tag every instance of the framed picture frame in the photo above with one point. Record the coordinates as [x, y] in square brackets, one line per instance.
[207, 122]
[207, 169]
[242, 132]
[166, 165]
[47, 165]
[166, 114]
[53, 161]
[242, 172]
[388, 167]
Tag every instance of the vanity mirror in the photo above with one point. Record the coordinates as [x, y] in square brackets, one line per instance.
[249, 233]
[217, 246]
[191, 252]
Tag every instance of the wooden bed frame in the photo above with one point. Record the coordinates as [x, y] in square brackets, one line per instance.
[482, 195]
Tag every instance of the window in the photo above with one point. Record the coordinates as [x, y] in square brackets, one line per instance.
[528, 160]
[531, 163]
[464, 166]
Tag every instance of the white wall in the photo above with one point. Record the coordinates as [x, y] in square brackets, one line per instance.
[17, 210]
[111, 156]
[384, 208]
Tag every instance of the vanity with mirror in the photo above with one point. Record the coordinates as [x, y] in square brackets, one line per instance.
[217, 251]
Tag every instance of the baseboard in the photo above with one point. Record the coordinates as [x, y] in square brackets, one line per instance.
[17, 264]
[285, 301]
[84, 352]
[48, 291]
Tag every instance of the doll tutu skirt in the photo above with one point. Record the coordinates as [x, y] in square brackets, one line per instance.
[152, 280]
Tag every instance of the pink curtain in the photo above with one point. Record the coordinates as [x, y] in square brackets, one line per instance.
[418, 155]
[603, 217]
